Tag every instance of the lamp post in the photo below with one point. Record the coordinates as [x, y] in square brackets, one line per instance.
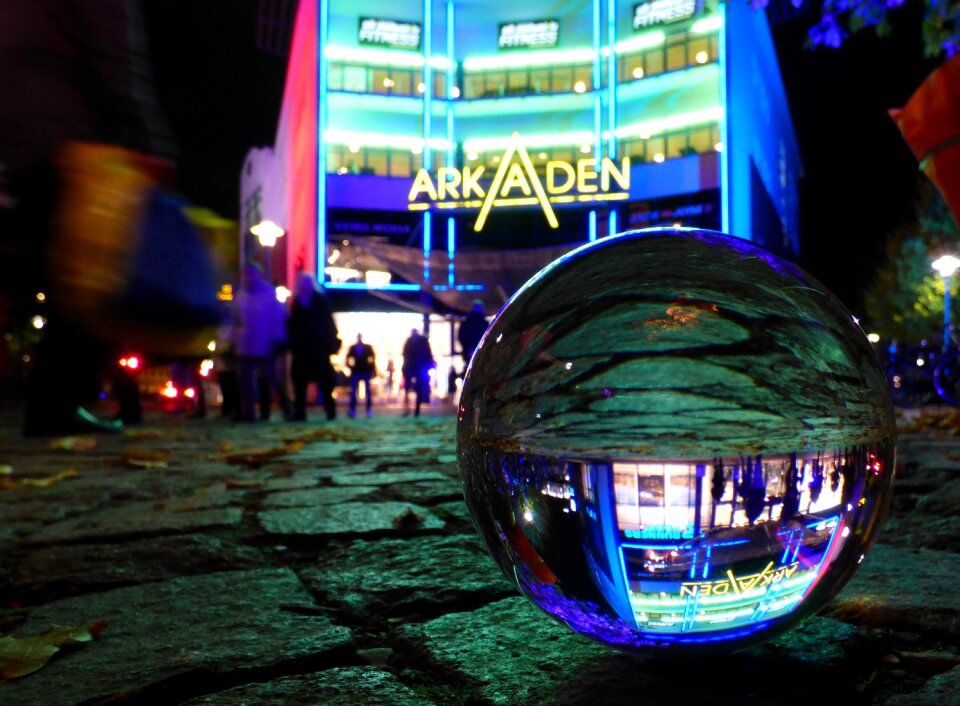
[946, 266]
[267, 233]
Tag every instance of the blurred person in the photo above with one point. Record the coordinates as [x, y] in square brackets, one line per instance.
[225, 365]
[71, 70]
[361, 361]
[259, 332]
[471, 331]
[417, 364]
[312, 338]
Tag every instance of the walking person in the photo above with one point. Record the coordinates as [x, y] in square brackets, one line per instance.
[259, 334]
[471, 331]
[417, 363]
[362, 363]
[312, 339]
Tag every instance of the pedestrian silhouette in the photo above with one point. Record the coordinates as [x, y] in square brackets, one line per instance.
[312, 339]
[361, 361]
[417, 364]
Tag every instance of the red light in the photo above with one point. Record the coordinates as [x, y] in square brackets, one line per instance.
[133, 362]
[169, 391]
[190, 392]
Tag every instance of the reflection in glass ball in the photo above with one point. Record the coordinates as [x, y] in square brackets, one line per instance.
[675, 442]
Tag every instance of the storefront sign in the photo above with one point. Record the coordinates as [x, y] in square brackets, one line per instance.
[526, 35]
[389, 33]
[659, 12]
[735, 585]
[516, 183]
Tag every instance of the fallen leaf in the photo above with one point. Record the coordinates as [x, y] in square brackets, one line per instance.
[22, 656]
[144, 458]
[257, 456]
[10, 484]
[74, 443]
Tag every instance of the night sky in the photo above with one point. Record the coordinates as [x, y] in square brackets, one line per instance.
[222, 96]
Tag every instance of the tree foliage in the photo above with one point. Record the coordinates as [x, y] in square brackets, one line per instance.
[905, 299]
[841, 18]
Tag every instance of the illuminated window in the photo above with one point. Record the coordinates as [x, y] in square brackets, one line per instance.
[517, 82]
[540, 81]
[377, 161]
[676, 57]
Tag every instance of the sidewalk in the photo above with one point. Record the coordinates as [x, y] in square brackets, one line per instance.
[335, 563]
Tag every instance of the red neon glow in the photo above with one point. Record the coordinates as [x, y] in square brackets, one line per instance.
[190, 393]
[296, 141]
[169, 391]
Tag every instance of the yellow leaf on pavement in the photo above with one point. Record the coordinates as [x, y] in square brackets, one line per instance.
[144, 458]
[74, 443]
[9, 484]
[25, 655]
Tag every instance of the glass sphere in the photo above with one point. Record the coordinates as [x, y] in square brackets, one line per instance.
[676, 442]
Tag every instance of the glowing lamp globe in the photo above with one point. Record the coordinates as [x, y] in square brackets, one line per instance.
[676, 442]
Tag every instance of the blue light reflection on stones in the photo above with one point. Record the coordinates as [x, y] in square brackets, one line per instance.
[675, 442]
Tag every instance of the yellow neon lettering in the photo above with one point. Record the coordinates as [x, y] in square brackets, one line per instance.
[471, 182]
[422, 184]
[448, 179]
[568, 172]
[494, 188]
[585, 172]
[622, 176]
[515, 179]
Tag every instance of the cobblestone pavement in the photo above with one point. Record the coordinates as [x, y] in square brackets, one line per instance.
[335, 563]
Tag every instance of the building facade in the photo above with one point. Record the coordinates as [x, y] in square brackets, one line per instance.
[439, 151]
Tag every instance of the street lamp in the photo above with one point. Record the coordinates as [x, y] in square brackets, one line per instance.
[267, 233]
[946, 266]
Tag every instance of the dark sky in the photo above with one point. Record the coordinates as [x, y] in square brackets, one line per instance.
[222, 95]
[860, 179]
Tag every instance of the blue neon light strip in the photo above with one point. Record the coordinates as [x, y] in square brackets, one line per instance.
[451, 249]
[427, 244]
[365, 286]
[612, 86]
[323, 12]
[593, 226]
[613, 222]
[726, 204]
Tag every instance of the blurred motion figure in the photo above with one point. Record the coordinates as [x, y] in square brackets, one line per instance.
[70, 70]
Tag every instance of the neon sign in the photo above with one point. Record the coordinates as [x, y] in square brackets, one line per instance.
[391, 33]
[538, 33]
[738, 585]
[517, 183]
[656, 12]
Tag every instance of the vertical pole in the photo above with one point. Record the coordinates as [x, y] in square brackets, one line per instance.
[946, 313]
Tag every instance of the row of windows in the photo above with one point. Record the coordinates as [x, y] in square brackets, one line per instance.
[404, 163]
[679, 51]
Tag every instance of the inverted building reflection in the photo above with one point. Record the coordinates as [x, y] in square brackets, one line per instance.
[683, 550]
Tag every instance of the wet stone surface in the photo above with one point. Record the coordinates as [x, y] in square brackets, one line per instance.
[347, 571]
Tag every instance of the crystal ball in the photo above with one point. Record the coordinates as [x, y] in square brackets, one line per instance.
[675, 442]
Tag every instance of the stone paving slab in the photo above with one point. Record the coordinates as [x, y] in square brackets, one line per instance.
[97, 566]
[400, 576]
[135, 519]
[349, 518]
[345, 686]
[912, 589]
[168, 632]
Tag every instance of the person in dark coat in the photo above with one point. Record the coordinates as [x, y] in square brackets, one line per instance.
[312, 337]
[362, 363]
[417, 364]
[471, 331]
